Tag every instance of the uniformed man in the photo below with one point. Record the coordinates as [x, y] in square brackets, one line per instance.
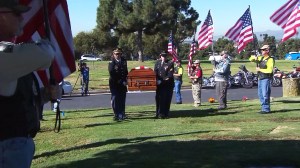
[264, 73]
[19, 120]
[164, 70]
[118, 72]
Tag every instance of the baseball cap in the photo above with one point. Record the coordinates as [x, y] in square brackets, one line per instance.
[14, 5]
[265, 47]
[164, 54]
[197, 62]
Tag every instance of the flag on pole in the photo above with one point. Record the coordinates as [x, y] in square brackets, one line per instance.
[172, 49]
[60, 35]
[288, 18]
[205, 35]
[190, 62]
[242, 32]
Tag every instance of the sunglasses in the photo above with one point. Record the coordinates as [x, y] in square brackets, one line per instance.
[10, 11]
[265, 49]
[118, 53]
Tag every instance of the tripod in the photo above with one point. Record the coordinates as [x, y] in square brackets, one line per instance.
[81, 81]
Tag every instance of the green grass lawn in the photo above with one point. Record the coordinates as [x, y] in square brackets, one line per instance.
[99, 71]
[191, 137]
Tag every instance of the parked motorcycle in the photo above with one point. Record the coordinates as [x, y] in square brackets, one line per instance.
[210, 81]
[277, 77]
[243, 78]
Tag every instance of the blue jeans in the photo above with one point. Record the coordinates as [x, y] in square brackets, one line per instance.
[16, 152]
[177, 88]
[264, 93]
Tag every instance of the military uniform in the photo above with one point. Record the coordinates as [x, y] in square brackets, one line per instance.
[165, 83]
[118, 86]
[197, 85]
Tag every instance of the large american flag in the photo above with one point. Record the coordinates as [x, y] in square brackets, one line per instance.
[288, 18]
[60, 35]
[172, 49]
[190, 62]
[205, 35]
[242, 32]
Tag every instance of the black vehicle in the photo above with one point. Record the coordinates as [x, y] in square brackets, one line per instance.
[243, 78]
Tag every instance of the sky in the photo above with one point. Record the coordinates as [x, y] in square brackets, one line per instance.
[225, 13]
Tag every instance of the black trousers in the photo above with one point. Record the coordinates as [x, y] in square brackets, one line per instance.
[118, 101]
[163, 98]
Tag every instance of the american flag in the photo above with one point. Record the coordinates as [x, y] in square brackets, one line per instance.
[288, 18]
[192, 52]
[205, 35]
[242, 32]
[60, 35]
[172, 47]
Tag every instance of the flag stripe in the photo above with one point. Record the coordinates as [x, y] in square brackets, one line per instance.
[280, 17]
[241, 32]
[190, 62]
[205, 35]
[172, 47]
[60, 35]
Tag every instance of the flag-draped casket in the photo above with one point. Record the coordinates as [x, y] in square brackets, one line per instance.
[141, 79]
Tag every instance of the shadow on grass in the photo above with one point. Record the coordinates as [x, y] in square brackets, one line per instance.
[288, 101]
[136, 153]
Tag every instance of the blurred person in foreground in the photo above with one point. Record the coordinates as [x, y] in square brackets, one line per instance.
[196, 78]
[19, 121]
[178, 72]
[164, 70]
[118, 72]
[264, 72]
[222, 72]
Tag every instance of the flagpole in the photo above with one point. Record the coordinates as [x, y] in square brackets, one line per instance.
[255, 42]
[52, 80]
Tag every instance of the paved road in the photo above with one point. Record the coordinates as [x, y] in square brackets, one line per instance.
[146, 98]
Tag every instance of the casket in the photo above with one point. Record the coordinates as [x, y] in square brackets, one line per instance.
[141, 79]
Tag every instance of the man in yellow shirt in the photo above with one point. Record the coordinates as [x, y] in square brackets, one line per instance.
[265, 64]
[178, 72]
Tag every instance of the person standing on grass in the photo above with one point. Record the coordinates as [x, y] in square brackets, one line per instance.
[178, 72]
[164, 70]
[264, 72]
[196, 78]
[85, 73]
[19, 118]
[222, 72]
[118, 72]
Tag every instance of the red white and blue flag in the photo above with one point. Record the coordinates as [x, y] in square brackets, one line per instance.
[242, 32]
[288, 18]
[205, 35]
[172, 49]
[60, 35]
[190, 57]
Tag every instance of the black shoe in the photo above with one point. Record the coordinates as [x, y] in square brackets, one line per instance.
[178, 102]
[264, 112]
[221, 108]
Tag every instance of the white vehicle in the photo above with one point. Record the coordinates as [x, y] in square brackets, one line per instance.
[66, 87]
[90, 57]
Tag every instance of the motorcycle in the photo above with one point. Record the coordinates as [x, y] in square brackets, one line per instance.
[243, 78]
[277, 77]
[210, 81]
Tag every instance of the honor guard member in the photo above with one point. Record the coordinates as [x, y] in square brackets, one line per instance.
[264, 72]
[19, 121]
[164, 70]
[118, 72]
[178, 72]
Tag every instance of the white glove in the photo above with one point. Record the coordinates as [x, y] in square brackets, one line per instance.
[158, 82]
[124, 83]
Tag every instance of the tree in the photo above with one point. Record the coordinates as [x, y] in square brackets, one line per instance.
[146, 17]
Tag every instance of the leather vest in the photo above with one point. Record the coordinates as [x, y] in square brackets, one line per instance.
[19, 112]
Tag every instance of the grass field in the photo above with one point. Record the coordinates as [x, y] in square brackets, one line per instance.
[99, 71]
[191, 138]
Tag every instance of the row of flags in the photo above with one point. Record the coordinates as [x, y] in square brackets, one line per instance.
[287, 17]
